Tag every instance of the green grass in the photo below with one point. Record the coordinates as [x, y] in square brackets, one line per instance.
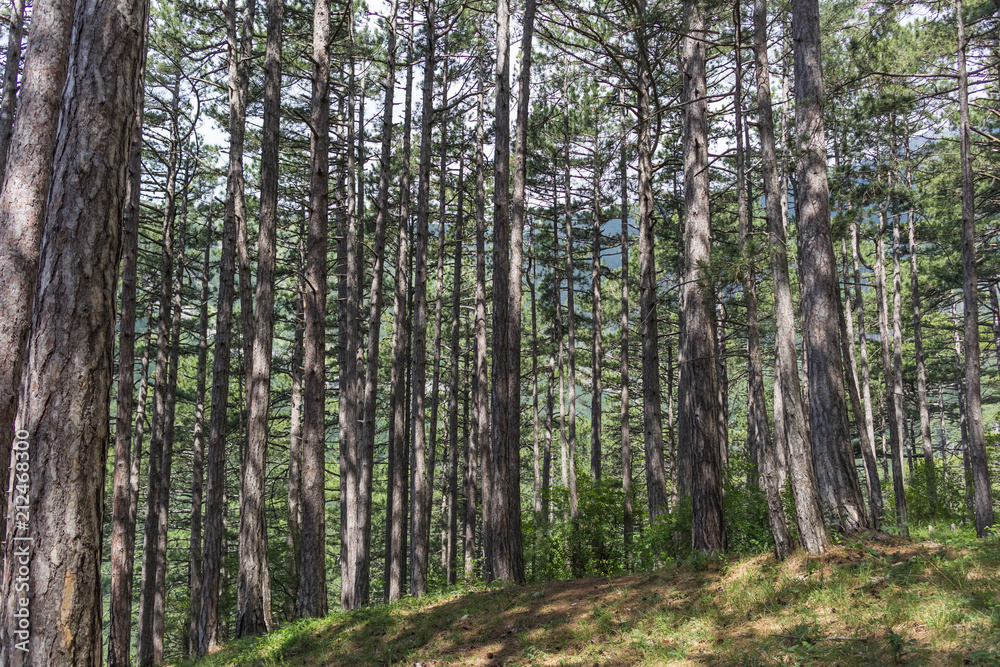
[863, 603]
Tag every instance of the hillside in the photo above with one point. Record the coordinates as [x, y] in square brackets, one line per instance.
[864, 603]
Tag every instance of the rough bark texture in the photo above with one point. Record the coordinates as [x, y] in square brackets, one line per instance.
[833, 458]
[656, 479]
[982, 495]
[628, 521]
[395, 559]
[215, 474]
[122, 505]
[64, 415]
[700, 406]
[451, 543]
[13, 62]
[253, 600]
[422, 486]
[23, 202]
[312, 572]
[596, 351]
[790, 413]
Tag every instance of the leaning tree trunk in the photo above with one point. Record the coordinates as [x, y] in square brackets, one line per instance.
[253, 601]
[866, 394]
[23, 202]
[312, 569]
[395, 558]
[973, 398]
[808, 512]
[122, 504]
[63, 428]
[833, 457]
[656, 479]
[9, 102]
[700, 408]
[215, 474]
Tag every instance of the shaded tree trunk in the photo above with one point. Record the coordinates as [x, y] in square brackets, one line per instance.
[973, 399]
[456, 302]
[808, 512]
[596, 352]
[628, 521]
[13, 62]
[64, 413]
[859, 309]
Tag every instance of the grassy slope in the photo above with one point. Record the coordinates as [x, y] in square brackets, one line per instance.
[863, 603]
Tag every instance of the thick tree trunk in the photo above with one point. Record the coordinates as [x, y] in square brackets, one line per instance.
[833, 457]
[628, 521]
[253, 602]
[158, 442]
[791, 416]
[700, 408]
[973, 398]
[478, 443]
[63, 428]
[214, 559]
[395, 559]
[422, 482]
[503, 520]
[123, 503]
[23, 203]
[312, 572]
[198, 455]
[13, 63]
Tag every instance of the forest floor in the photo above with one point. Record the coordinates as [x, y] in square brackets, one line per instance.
[934, 600]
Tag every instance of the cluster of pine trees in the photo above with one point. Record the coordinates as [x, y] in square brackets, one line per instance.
[255, 351]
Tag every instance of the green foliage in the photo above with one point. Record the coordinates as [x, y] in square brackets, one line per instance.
[748, 529]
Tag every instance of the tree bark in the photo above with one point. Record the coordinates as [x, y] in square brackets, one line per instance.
[791, 416]
[456, 302]
[214, 559]
[13, 63]
[628, 524]
[253, 602]
[596, 351]
[422, 482]
[570, 324]
[700, 407]
[656, 480]
[64, 411]
[23, 202]
[859, 309]
[973, 398]
[833, 458]
[125, 494]
[395, 560]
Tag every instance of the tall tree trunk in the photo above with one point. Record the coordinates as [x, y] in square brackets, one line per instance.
[312, 589]
[456, 302]
[859, 309]
[478, 443]
[253, 602]
[808, 512]
[158, 443]
[214, 558]
[833, 457]
[897, 340]
[62, 432]
[395, 560]
[973, 398]
[536, 504]
[656, 480]
[13, 62]
[758, 435]
[422, 482]
[700, 407]
[198, 454]
[503, 521]
[894, 418]
[628, 521]
[865, 441]
[123, 504]
[293, 541]
[23, 203]
[596, 352]
[570, 320]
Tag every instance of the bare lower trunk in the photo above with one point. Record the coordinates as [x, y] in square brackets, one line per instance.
[596, 351]
[808, 513]
[628, 522]
[974, 410]
[63, 428]
[456, 302]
